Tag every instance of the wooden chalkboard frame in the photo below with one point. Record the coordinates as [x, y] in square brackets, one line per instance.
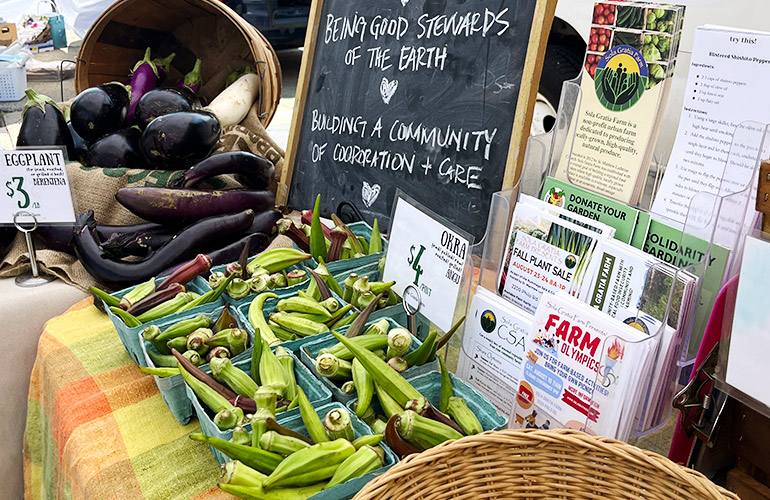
[525, 105]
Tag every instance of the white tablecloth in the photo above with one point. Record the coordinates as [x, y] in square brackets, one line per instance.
[24, 311]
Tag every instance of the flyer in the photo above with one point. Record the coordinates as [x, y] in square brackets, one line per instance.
[493, 348]
[624, 86]
[580, 368]
[583, 202]
[544, 253]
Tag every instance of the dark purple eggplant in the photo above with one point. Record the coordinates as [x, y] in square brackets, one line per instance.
[59, 237]
[101, 110]
[253, 171]
[265, 222]
[182, 206]
[185, 246]
[117, 150]
[139, 244]
[43, 123]
[79, 146]
[7, 235]
[257, 243]
[160, 102]
[180, 140]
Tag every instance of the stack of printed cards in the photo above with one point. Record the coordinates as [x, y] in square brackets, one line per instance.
[583, 369]
[548, 249]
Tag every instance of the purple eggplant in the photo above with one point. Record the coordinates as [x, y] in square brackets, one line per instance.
[180, 140]
[43, 123]
[257, 243]
[265, 222]
[79, 146]
[253, 171]
[117, 150]
[182, 206]
[98, 111]
[185, 246]
[192, 80]
[149, 237]
[160, 102]
[147, 75]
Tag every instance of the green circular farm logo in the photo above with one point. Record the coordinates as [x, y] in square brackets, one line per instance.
[621, 77]
[570, 261]
[488, 321]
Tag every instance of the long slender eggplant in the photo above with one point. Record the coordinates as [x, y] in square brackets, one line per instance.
[253, 171]
[56, 237]
[264, 222]
[160, 102]
[257, 243]
[182, 206]
[180, 140]
[117, 150]
[184, 246]
[43, 123]
[139, 244]
[60, 237]
[79, 146]
[100, 110]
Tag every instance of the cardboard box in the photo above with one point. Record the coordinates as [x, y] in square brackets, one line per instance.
[7, 34]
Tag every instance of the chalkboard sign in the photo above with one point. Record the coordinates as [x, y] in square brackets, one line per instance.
[434, 97]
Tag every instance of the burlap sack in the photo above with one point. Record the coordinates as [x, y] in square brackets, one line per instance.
[94, 189]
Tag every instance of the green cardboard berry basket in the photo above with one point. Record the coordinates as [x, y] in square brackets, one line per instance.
[172, 389]
[270, 307]
[132, 337]
[316, 393]
[395, 312]
[429, 385]
[309, 351]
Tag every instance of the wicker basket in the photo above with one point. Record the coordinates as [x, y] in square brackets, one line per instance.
[206, 29]
[538, 464]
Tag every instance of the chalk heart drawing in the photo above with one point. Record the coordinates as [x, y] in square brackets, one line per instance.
[369, 193]
[404, 2]
[387, 89]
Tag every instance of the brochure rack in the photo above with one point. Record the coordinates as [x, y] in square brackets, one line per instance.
[718, 219]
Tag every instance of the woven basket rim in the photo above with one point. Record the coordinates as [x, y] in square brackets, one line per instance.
[623, 456]
[261, 50]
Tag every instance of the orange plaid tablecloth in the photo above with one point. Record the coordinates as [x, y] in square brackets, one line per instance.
[97, 427]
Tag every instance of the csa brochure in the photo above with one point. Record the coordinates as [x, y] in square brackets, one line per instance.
[544, 253]
[493, 348]
[582, 369]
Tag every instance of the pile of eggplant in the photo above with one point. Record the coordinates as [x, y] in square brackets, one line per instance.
[139, 124]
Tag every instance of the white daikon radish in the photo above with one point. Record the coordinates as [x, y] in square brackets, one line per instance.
[233, 104]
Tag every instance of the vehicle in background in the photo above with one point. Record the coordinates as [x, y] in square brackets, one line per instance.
[282, 22]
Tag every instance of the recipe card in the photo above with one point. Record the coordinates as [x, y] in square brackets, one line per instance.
[722, 116]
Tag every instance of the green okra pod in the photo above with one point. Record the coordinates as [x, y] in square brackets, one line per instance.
[260, 460]
[390, 381]
[283, 445]
[313, 424]
[184, 327]
[364, 387]
[364, 460]
[127, 317]
[317, 237]
[105, 297]
[257, 317]
[446, 386]
[161, 372]
[375, 241]
[138, 293]
[310, 465]
[420, 356]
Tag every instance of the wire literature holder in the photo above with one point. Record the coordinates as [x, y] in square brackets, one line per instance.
[719, 219]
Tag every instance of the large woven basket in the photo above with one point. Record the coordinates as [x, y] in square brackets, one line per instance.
[538, 464]
[205, 29]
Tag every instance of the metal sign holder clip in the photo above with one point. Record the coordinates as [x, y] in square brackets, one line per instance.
[32, 278]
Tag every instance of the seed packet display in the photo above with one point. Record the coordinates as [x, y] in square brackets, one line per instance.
[543, 253]
[582, 367]
[493, 348]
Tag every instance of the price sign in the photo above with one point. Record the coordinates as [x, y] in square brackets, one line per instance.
[428, 252]
[35, 181]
